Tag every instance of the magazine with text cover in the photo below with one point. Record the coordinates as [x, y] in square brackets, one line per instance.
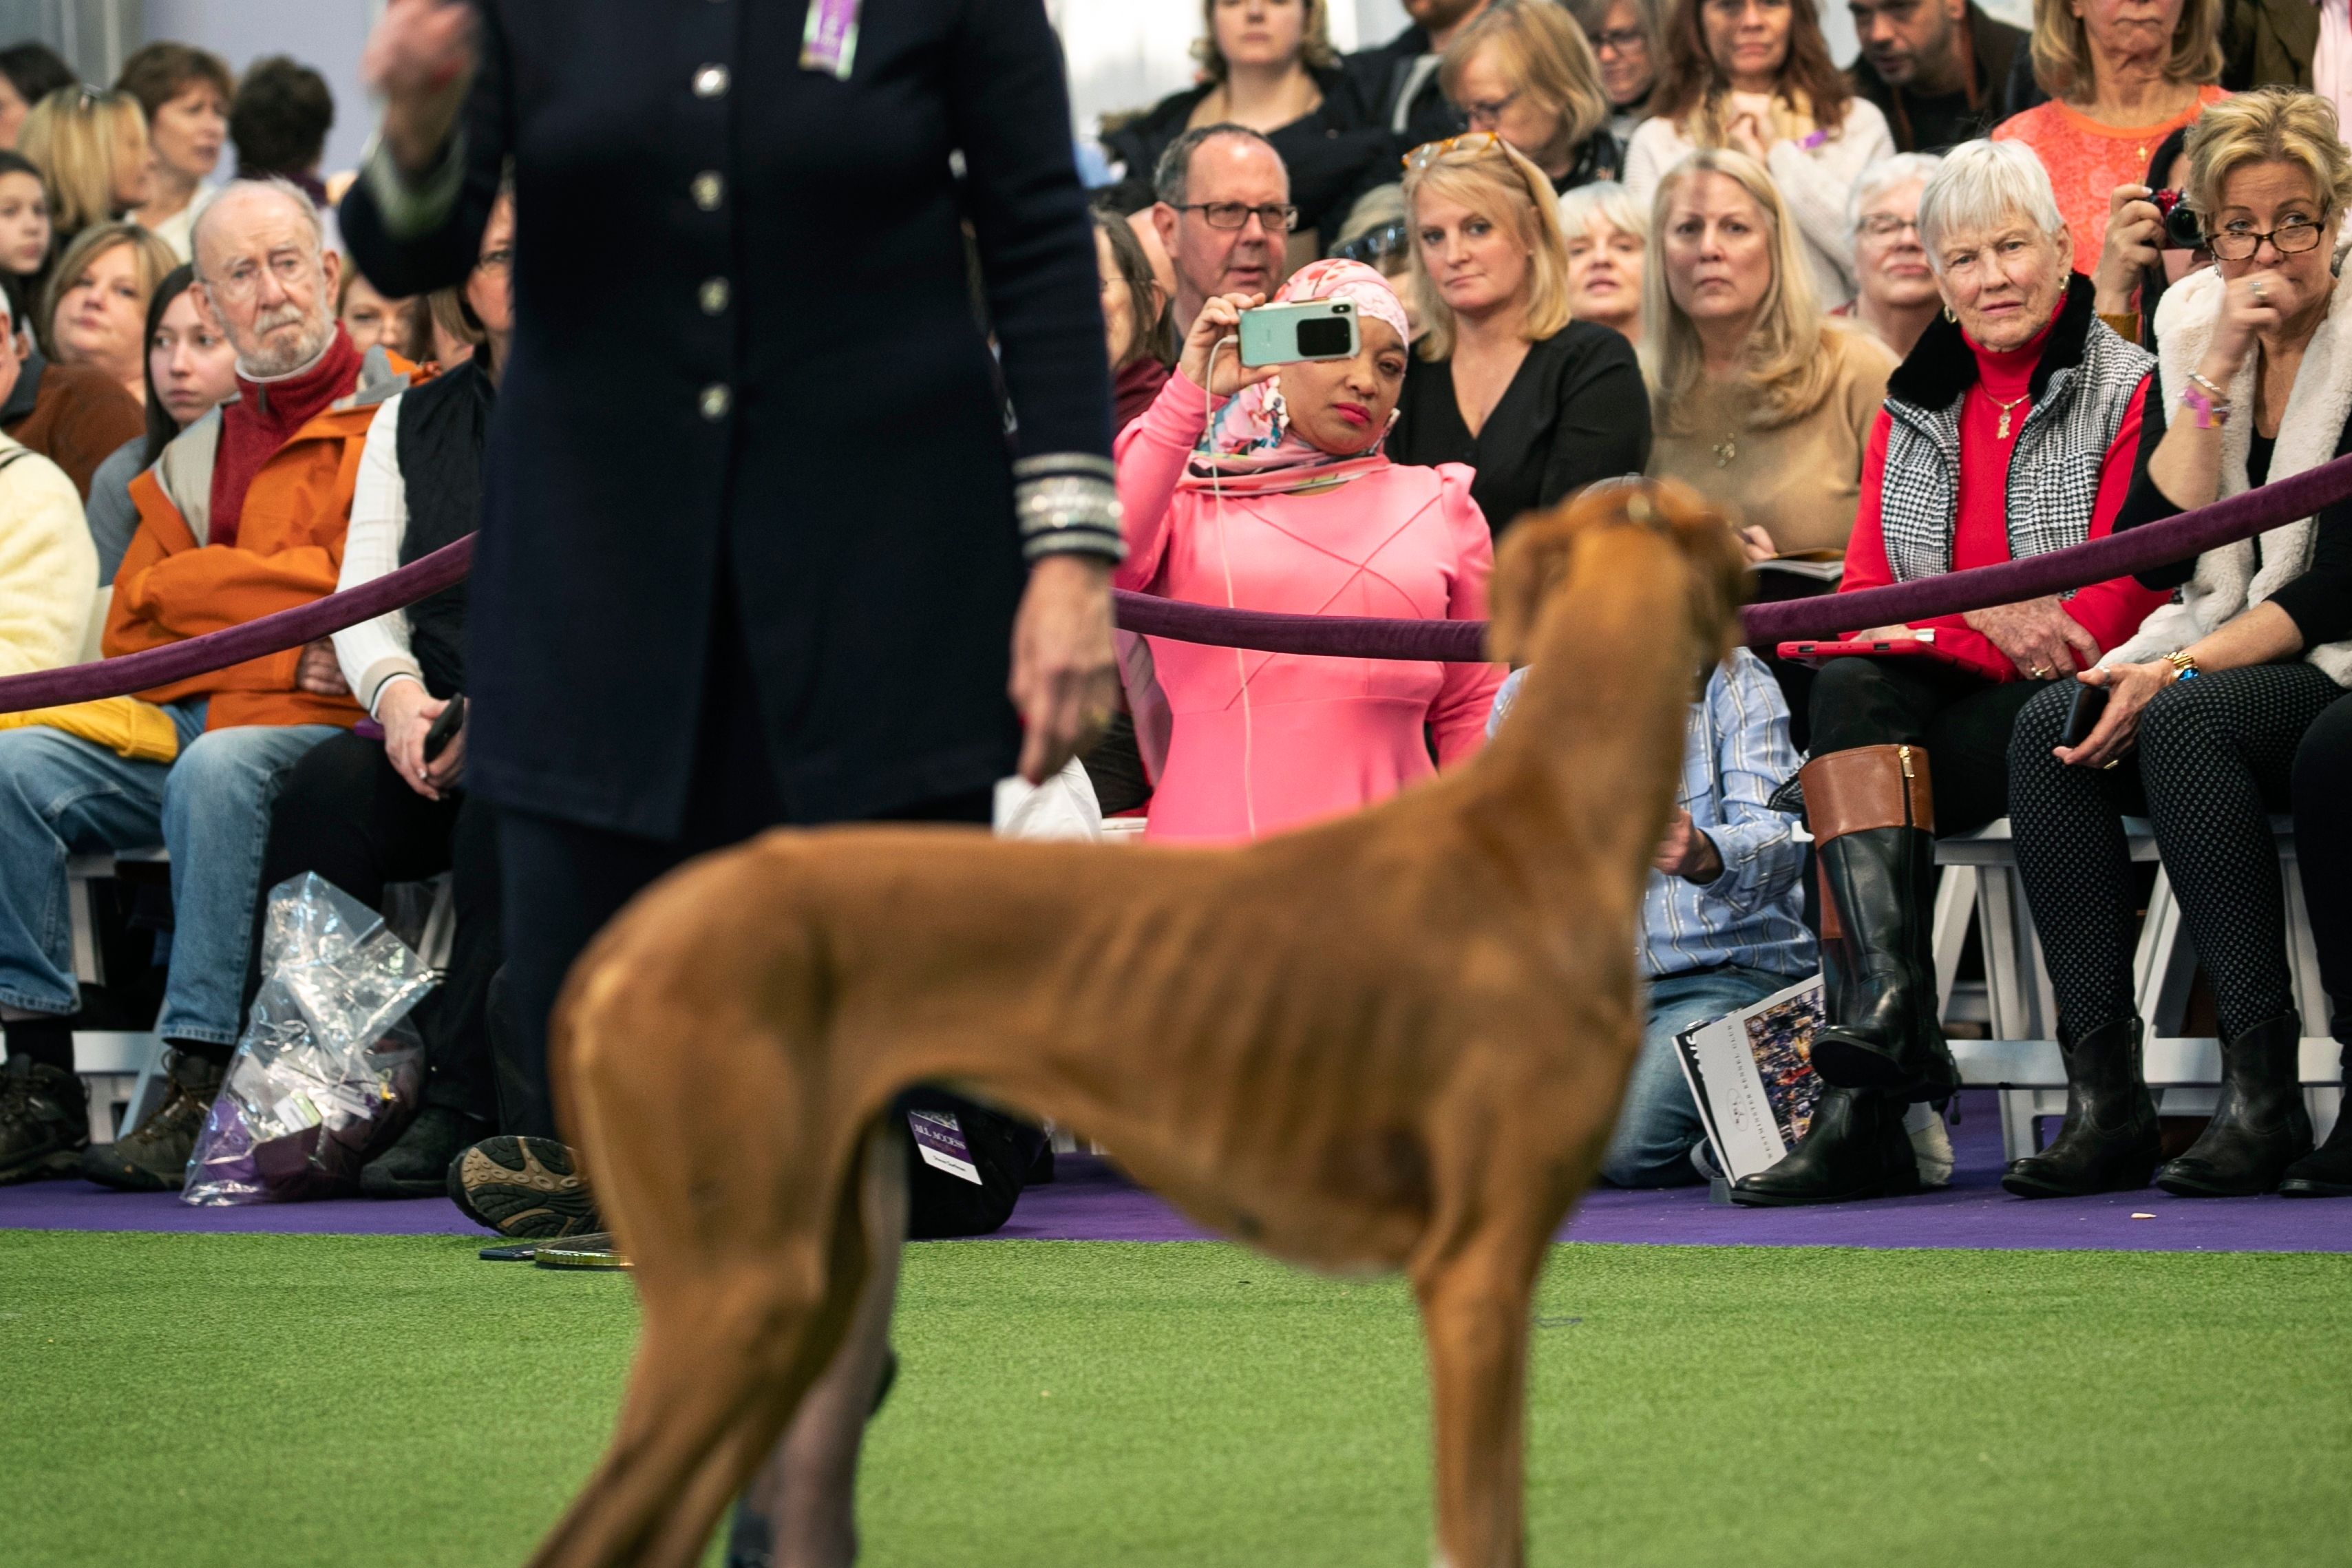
[1752, 1076]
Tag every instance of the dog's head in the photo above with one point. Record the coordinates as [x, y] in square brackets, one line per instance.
[1537, 555]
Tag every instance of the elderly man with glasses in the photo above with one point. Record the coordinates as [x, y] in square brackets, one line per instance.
[1223, 216]
[241, 517]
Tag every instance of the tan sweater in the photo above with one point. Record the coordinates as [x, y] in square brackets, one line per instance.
[1800, 481]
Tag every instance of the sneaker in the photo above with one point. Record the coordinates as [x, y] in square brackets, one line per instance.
[155, 1157]
[418, 1166]
[1931, 1144]
[44, 1120]
[523, 1186]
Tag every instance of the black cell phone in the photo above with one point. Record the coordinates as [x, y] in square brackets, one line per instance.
[2090, 701]
[444, 728]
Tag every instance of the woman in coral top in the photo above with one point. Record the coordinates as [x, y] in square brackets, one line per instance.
[1266, 490]
[2122, 75]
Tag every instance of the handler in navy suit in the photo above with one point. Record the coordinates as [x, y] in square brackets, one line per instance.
[768, 534]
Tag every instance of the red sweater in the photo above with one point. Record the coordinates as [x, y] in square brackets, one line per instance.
[2110, 611]
[264, 417]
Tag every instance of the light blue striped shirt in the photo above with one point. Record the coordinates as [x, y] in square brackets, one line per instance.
[1737, 754]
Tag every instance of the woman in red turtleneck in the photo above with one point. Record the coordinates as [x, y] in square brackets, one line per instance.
[2010, 430]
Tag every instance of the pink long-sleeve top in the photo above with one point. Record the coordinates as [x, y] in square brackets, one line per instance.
[1262, 741]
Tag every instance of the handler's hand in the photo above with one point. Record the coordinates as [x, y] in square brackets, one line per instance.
[2039, 636]
[319, 673]
[1688, 853]
[2129, 689]
[1220, 319]
[1065, 668]
[420, 60]
[406, 711]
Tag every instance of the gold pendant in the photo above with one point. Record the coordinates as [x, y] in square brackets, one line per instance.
[1725, 450]
[2003, 434]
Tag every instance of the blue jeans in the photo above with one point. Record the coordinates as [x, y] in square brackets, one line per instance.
[62, 796]
[1659, 1125]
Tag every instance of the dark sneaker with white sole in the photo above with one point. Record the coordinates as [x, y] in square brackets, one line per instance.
[155, 1157]
[417, 1165]
[522, 1187]
[44, 1120]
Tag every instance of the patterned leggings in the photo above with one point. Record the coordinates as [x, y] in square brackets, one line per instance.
[2213, 759]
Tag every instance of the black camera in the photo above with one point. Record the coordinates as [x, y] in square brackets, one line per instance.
[2181, 229]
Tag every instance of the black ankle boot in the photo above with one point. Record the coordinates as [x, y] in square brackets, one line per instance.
[2110, 1140]
[2260, 1126]
[2326, 1171]
[1855, 1148]
[1873, 819]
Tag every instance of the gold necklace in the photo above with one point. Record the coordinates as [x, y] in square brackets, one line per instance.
[2003, 434]
[1726, 449]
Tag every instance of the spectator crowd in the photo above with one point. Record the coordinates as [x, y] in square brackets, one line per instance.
[1979, 295]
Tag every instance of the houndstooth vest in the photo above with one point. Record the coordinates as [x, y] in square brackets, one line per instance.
[2080, 391]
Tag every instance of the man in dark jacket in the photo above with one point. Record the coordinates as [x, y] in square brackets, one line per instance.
[2268, 43]
[1394, 85]
[1938, 70]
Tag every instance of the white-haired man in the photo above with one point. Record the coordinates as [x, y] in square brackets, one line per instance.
[242, 516]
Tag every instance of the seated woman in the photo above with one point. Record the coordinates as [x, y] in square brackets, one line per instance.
[1267, 489]
[2141, 257]
[93, 151]
[94, 310]
[1502, 379]
[2205, 706]
[363, 813]
[1608, 235]
[1898, 296]
[1525, 73]
[1626, 45]
[191, 369]
[1138, 331]
[1755, 77]
[2010, 431]
[24, 233]
[1267, 65]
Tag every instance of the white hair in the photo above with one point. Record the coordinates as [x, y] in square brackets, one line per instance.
[1612, 203]
[1982, 184]
[248, 186]
[1883, 176]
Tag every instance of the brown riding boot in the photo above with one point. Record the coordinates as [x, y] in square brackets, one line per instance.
[1873, 815]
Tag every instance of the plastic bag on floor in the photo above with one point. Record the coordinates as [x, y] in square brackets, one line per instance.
[330, 1070]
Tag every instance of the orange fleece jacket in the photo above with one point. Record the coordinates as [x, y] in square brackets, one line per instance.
[288, 551]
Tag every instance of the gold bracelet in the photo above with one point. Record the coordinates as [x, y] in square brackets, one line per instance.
[2184, 664]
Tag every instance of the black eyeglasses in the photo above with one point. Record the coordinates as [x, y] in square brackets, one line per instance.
[1277, 219]
[2287, 239]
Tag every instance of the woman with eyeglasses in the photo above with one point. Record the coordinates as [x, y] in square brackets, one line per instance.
[1521, 70]
[1503, 380]
[1755, 76]
[1898, 296]
[2205, 707]
[1266, 65]
[91, 149]
[1627, 45]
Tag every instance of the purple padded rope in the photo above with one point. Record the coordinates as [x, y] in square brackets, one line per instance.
[2191, 534]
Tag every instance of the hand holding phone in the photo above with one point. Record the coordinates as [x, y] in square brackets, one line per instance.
[444, 728]
[2083, 715]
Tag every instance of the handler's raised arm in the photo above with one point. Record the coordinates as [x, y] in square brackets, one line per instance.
[414, 219]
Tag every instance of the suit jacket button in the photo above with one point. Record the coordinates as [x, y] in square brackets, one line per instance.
[710, 81]
[713, 295]
[717, 399]
[710, 188]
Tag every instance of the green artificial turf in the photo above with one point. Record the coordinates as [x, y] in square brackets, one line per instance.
[187, 1401]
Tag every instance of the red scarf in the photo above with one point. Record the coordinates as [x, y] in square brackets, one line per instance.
[264, 417]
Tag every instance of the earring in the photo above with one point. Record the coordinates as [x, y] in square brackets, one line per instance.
[1948, 314]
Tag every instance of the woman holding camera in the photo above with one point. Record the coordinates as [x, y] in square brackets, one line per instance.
[1267, 488]
[2204, 708]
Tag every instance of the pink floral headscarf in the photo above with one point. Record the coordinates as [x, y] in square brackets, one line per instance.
[1249, 446]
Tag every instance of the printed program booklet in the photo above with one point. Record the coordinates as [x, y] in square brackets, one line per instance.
[1752, 1076]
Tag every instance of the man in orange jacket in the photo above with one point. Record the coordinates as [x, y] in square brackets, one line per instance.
[242, 516]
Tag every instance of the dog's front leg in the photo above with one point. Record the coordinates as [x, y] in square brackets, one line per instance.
[1473, 1314]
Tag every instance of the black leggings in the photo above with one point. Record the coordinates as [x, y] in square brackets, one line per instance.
[2212, 761]
[2323, 850]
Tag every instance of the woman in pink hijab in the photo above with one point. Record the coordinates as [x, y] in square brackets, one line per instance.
[1266, 490]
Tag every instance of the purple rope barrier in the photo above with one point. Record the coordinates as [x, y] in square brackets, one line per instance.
[1336, 636]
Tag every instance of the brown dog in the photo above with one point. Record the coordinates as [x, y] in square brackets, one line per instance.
[1397, 1040]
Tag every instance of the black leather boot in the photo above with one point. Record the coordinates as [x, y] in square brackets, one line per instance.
[2110, 1141]
[1873, 819]
[2326, 1171]
[2260, 1126]
[1855, 1148]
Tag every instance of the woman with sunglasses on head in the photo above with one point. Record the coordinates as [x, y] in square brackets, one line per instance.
[1522, 71]
[1628, 45]
[2205, 707]
[1539, 405]
[1266, 65]
[1755, 76]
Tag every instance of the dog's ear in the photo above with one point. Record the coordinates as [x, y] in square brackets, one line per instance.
[1719, 574]
[1532, 562]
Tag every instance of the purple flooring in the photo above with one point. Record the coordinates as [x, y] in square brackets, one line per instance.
[1090, 1201]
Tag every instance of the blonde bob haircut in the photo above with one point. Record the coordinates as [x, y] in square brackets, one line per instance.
[1545, 56]
[2062, 48]
[151, 261]
[1791, 360]
[73, 137]
[2268, 125]
[1496, 181]
[1316, 52]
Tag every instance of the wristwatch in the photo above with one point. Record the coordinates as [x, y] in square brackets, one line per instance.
[2184, 664]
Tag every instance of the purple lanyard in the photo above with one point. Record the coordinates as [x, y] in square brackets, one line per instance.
[829, 42]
